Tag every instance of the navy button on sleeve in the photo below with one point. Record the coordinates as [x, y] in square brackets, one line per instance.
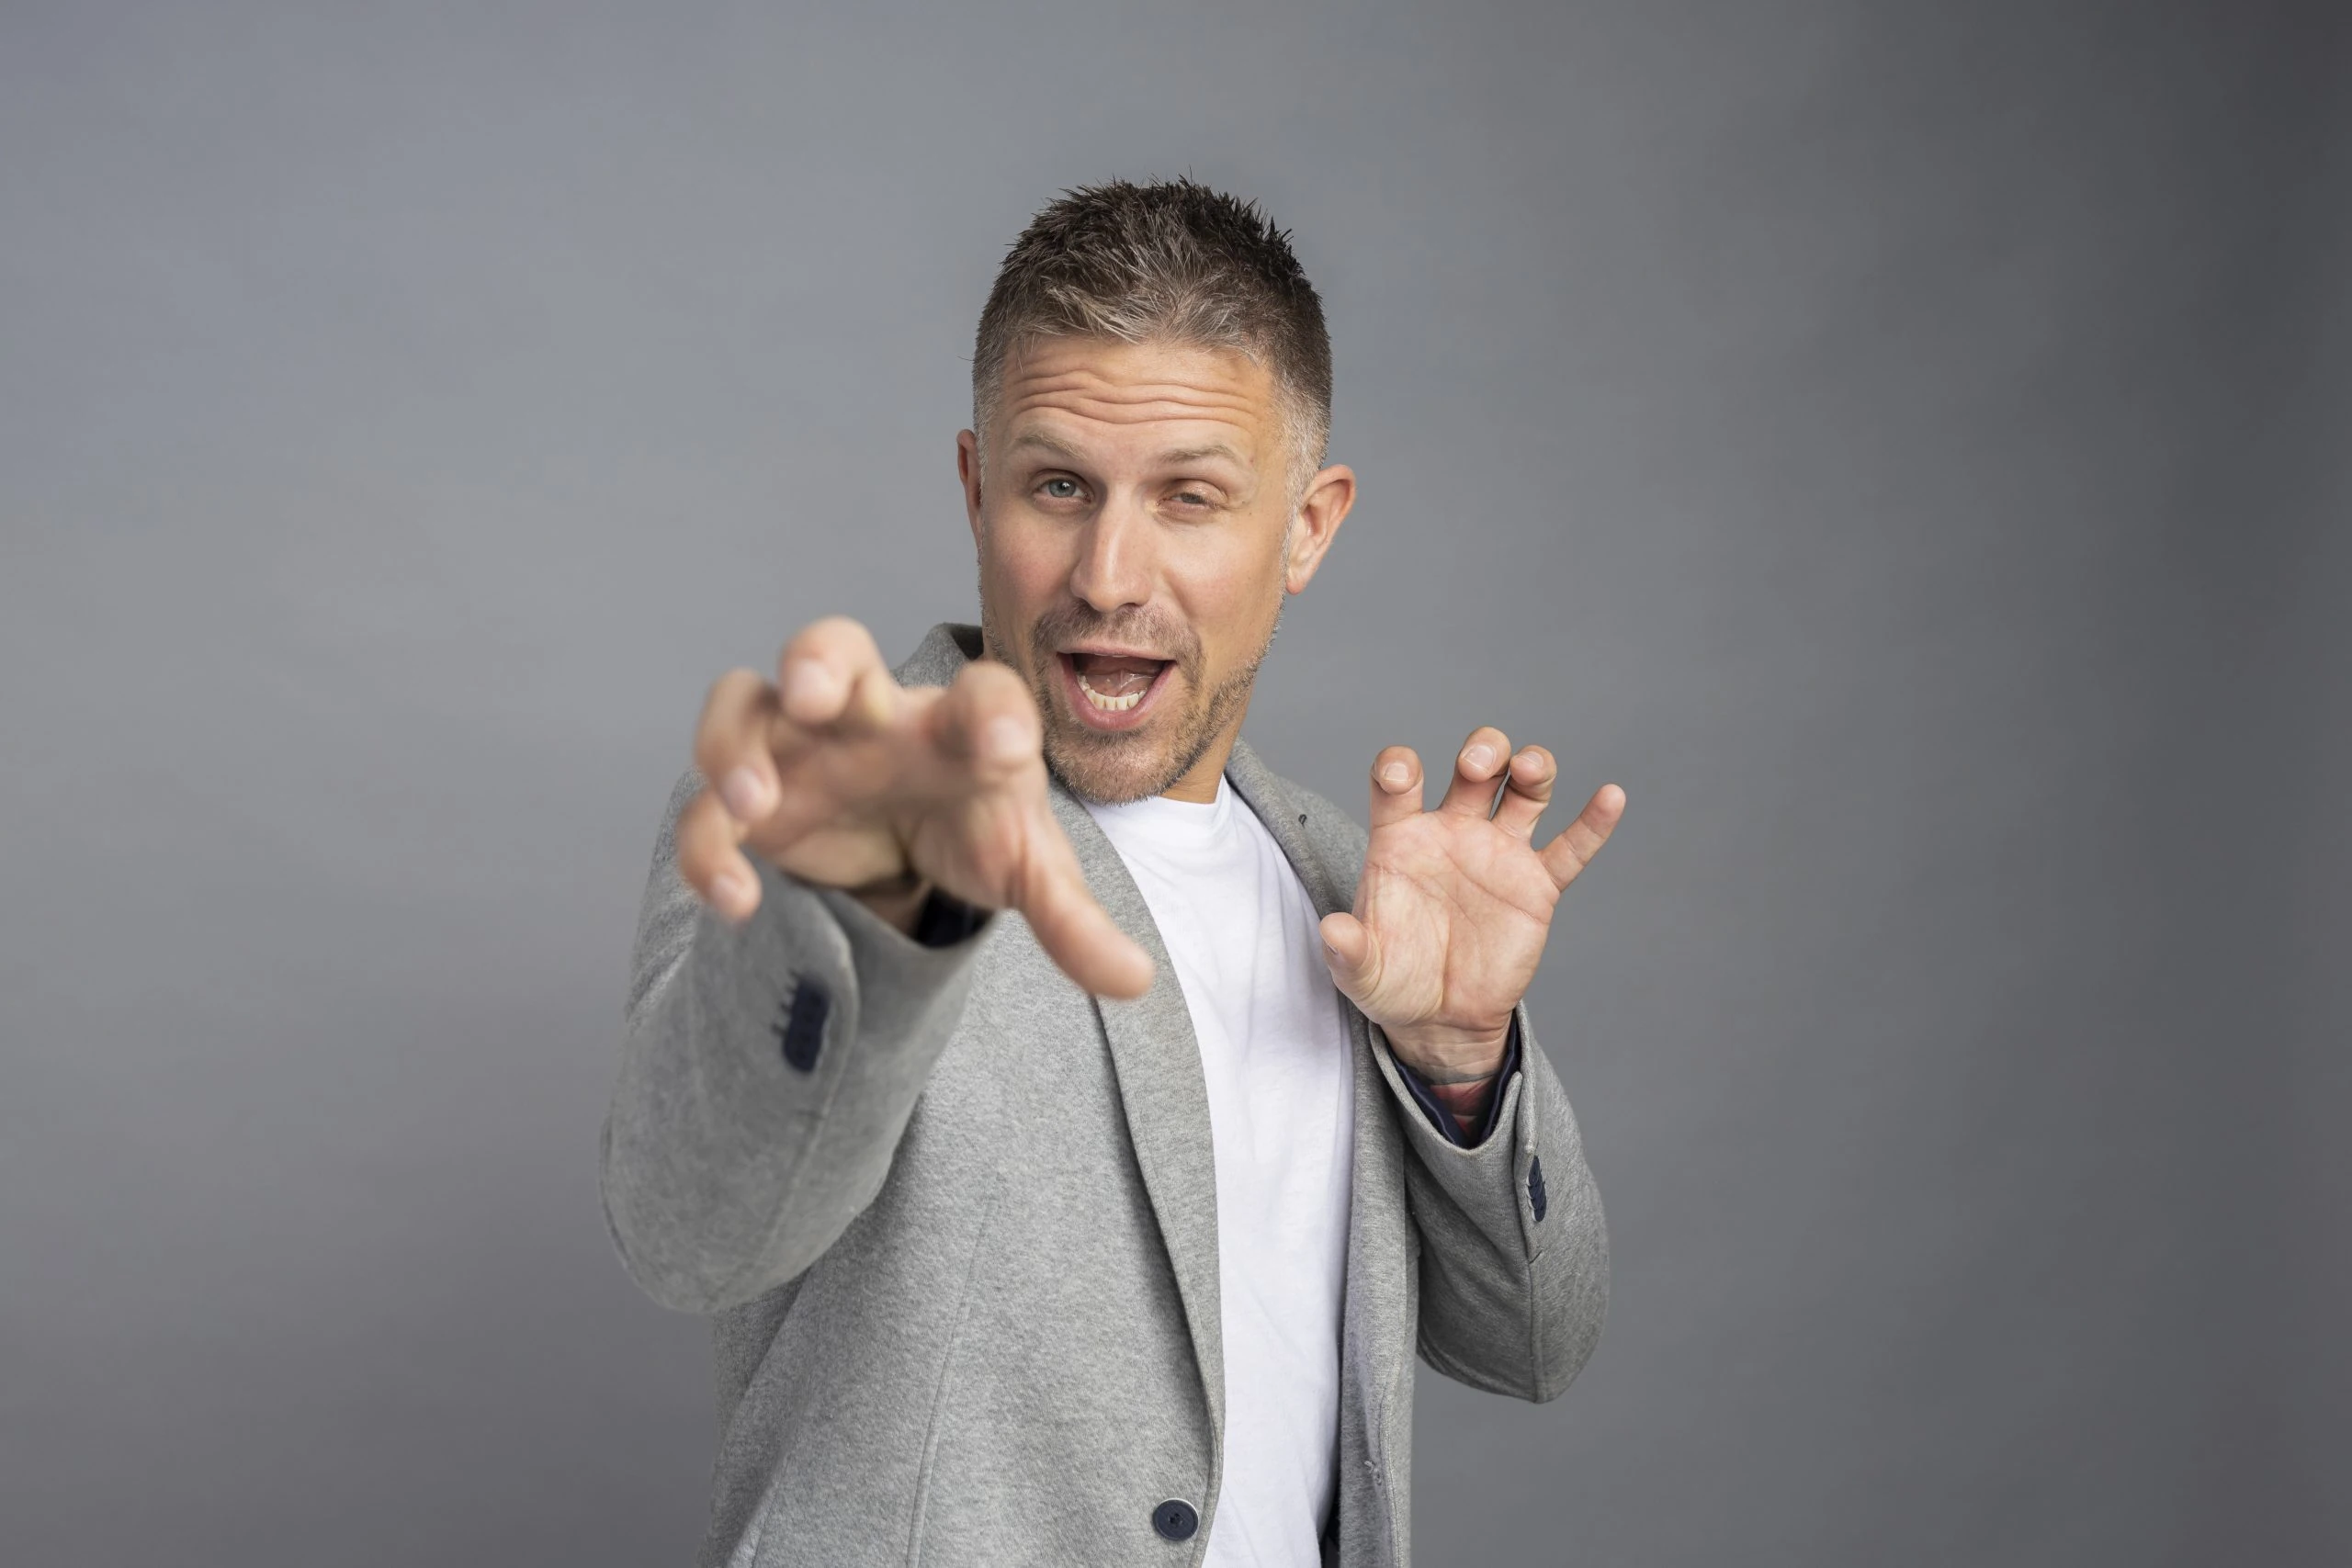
[802, 1033]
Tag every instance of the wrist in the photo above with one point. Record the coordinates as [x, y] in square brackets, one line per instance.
[1445, 1058]
[898, 900]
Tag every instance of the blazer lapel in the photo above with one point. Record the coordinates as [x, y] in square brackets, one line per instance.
[944, 650]
[1166, 1098]
[1154, 1053]
[1378, 1327]
[1265, 794]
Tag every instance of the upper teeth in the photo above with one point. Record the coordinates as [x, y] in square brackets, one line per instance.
[1109, 704]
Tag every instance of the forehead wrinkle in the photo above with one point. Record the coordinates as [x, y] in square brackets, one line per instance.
[1227, 390]
[1089, 386]
[1034, 417]
[1044, 439]
[1141, 410]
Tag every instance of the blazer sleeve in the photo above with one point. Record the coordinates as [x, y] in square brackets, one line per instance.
[767, 1072]
[1514, 1248]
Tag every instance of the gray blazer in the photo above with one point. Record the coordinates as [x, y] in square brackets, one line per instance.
[955, 1221]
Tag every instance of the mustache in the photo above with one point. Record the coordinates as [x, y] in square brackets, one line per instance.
[1076, 621]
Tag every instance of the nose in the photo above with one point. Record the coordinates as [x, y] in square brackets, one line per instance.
[1115, 558]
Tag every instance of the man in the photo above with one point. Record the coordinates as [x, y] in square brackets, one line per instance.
[1073, 1129]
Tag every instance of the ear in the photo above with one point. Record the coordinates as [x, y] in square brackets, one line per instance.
[1329, 496]
[968, 468]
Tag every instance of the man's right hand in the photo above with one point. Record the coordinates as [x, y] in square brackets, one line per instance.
[843, 778]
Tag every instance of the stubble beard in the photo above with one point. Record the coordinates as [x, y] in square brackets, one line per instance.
[1113, 769]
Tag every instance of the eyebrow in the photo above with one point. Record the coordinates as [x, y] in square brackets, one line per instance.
[1201, 454]
[1045, 443]
[1061, 448]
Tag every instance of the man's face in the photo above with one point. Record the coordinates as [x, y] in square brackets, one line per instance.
[1136, 543]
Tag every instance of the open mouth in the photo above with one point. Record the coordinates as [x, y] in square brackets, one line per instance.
[1111, 691]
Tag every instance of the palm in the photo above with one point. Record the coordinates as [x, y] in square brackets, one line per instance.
[1460, 910]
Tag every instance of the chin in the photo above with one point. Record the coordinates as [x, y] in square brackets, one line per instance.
[1112, 771]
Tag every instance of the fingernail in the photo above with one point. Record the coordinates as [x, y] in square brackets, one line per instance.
[746, 793]
[733, 892]
[1478, 757]
[1005, 737]
[810, 685]
[1395, 773]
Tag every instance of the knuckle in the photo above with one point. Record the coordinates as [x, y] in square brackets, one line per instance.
[833, 638]
[709, 754]
[697, 845]
[726, 694]
[726, 726]
[836, 627]
[993, 683]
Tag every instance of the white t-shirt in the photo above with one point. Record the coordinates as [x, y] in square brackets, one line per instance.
[1275, 1053]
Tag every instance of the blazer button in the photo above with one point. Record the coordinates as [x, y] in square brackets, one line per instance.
[1175, 1519]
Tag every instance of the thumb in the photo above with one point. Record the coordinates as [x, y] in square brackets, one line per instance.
[1354, 954]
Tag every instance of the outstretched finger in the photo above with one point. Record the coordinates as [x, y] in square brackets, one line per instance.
[709, 861]
[1396, 786]
[733, 744]
[1569, 854]
[989, 720]
[831, 675]
[1527, 789]
[1076, 932]
[1482, 757]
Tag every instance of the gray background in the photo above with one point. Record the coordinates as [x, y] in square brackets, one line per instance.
[1901, 444]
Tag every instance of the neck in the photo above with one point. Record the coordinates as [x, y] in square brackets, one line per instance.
[1198, 783]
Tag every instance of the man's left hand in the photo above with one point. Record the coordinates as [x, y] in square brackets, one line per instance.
[1454, 904]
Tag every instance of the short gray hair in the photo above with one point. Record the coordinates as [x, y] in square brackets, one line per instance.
[1173, 261]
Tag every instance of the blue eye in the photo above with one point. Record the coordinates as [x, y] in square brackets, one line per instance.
[1062, 489]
